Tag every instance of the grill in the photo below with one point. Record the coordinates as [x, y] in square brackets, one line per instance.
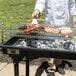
[37, 43]
[38, 40]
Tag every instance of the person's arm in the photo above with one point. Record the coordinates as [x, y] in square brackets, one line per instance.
[72, 7]
[74, 20]
[39, 7]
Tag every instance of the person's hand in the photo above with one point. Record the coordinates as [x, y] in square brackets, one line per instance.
[35, 13]
[74, 20]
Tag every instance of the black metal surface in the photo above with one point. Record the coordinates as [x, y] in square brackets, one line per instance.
[11, 41]
[27, 66]
[16, 66]
[27, 51]
[35, 52]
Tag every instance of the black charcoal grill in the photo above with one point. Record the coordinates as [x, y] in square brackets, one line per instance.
[37, 44]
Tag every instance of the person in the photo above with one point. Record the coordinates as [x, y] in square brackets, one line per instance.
[57, 12]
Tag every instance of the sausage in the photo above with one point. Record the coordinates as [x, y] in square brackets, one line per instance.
[29, 27]
[21, 27]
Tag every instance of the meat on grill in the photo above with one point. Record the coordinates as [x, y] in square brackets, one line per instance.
[29, 27]
[22, 27]
[52, 30]
[65, 30]
[47, 28]
[62, 30]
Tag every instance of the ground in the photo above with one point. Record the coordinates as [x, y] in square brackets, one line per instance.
[7, 69]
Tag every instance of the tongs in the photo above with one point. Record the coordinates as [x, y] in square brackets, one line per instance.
[34, 21]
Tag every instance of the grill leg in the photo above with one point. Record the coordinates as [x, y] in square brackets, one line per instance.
[16, 69]
[16, 66]
[27, 67]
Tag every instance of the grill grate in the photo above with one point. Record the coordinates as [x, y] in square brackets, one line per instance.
[13, 31]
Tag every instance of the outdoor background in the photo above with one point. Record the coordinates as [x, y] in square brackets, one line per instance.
[17, 11]
[20, 11]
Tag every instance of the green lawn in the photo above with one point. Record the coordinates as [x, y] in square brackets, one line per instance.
[16, 11]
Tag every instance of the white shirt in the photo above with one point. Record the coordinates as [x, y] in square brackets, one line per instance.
[57, 11]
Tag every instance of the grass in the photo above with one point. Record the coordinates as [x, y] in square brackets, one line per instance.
[16, 11]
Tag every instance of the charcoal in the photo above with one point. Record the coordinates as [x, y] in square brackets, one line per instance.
[71, 47]
[46, 42]
[66, 45]
[21, 43]
[56, 44]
